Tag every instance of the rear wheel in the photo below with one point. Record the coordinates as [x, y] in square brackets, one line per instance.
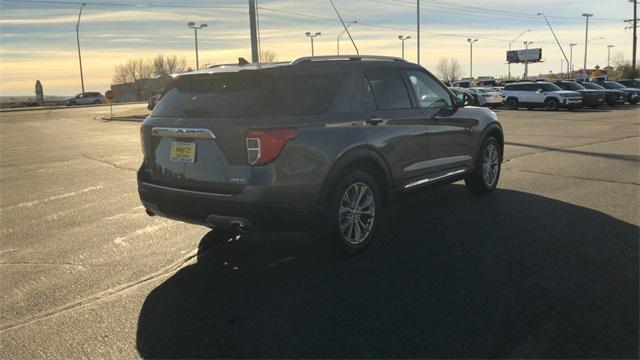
[512, 103]
[355, 212]
[551, 104]
[484, 178]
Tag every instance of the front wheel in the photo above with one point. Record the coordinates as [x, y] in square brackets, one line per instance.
[551, 104]
[512, 103]
[485, 176]
[355, 212]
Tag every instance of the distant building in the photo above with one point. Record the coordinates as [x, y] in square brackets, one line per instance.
[139, 91]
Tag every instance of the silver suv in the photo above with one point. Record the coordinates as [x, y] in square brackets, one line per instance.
[328, 140]
[540, 95]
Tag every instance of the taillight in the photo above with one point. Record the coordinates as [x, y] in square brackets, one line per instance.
[264, 146]
[142, 139]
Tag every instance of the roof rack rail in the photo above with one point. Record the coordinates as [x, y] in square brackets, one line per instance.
[345, 58]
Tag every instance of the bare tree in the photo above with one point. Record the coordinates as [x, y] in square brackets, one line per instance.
[448, 69]
[136, 73]
[268, 56]
[167, 65]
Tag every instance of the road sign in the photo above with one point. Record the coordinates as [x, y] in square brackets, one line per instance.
[109, 94]
[527, 55]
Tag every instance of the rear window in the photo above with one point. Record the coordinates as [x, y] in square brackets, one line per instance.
[249, 93]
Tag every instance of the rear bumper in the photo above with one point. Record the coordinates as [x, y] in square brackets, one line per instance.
[221, 210]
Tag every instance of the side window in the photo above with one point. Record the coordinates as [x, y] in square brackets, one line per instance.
[367, 102]
[388, 89]
[430, 94]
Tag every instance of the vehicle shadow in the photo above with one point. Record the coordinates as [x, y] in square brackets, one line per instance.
[507, 275]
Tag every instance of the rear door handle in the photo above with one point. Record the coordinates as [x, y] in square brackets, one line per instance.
[374, 120]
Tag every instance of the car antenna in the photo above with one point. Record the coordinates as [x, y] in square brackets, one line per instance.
[345, 27]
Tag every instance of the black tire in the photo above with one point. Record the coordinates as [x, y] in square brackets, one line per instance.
[71, 103]
[476, 181]
[512, 103]
[349, 183]
[551, 104]
[97, 102]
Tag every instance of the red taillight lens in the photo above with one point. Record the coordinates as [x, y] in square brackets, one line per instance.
[264, 146]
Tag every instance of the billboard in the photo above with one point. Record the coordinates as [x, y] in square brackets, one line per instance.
[520, 56]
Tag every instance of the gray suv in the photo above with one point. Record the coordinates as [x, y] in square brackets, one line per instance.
[319, 140]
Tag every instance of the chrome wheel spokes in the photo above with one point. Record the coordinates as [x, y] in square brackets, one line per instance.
[356, 213]
[490, 165]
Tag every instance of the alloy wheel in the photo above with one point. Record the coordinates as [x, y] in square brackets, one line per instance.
[490, 165]
[356, 213]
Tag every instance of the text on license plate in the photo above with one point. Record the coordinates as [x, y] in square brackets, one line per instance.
[183, 152]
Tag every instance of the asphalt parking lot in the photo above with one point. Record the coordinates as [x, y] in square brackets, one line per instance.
[546, 267]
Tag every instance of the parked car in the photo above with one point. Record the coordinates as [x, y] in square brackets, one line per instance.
[632, 94]
[85, 99]
[462, 84]
[320, 139]
[630, 83]
[486, 83]
[613, 96]
[590, 97]
[486, 96]
[540, 94]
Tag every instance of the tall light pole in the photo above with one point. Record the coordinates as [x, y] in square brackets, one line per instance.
[78, 39]
[195, 28]
[609, 57]
[571, 46]
[470, 41]
[418, 28]
[340, 35]
[311, 36]
[510, 42]
[526, 62]
[403, 39]
[586, 39]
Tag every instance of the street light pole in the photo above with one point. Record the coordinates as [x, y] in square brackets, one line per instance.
[526, 62]
[78, 40]
[510, 42]
[418, 28]
[195, 28]
[403, 39]
[586, 40]
[570, 72]
[311, 36]
[609, 57]
[470, 41]
[340, 35]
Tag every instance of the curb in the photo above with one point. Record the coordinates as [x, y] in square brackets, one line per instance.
[34, 108]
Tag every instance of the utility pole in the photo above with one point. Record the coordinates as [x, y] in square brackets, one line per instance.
[403, 39]
[526, 62]
[255, 57]
[586, 40]
[340, 35]
[634, 28]
[418, 28]
[311, 36]
[571, 46]
[510, 42]
[195, 28]
[554, 35]
[470, 41]
[78, 39]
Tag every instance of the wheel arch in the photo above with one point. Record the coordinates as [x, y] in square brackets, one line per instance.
[363, 158]
[495, 130]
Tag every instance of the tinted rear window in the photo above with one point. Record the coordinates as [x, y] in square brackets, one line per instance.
[249, 93]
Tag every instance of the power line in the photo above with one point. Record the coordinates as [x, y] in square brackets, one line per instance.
[115, 4]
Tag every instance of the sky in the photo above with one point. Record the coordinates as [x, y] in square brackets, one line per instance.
[38, 38]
